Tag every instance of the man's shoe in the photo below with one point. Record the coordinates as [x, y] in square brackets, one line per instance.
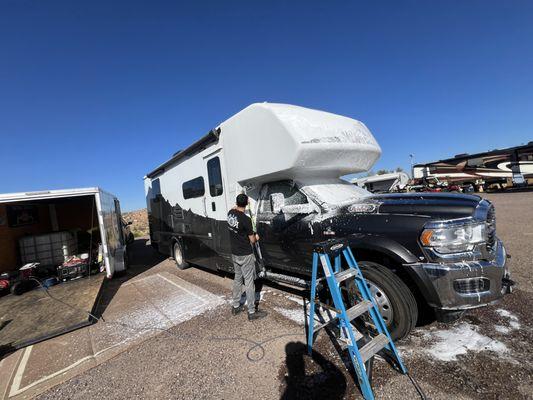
[236, 310]
[256, 315]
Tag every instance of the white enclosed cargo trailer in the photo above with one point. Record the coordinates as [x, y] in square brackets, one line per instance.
[27, 216]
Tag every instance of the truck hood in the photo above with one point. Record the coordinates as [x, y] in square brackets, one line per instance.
[439, 205]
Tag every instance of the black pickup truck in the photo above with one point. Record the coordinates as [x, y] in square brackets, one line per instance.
[419, 252]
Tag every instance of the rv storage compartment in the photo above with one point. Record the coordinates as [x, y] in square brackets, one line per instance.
[47, 249]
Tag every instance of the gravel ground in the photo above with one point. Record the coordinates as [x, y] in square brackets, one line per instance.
[486, 354]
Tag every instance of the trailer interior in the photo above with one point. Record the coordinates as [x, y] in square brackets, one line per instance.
[51, 268]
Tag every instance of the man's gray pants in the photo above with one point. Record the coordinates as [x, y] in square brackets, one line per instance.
[244, 269]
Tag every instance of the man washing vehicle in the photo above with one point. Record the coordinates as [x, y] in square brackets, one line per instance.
[242, 237]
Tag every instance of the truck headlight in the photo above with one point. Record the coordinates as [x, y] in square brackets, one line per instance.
[454, 238]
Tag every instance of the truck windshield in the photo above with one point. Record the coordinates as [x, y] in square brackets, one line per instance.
[332, 194]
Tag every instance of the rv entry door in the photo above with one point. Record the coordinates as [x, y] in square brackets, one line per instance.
[216, 207]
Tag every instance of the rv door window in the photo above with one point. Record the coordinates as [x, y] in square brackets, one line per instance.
[215, 177]
[193, 188]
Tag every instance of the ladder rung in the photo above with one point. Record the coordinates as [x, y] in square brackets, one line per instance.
[358, 309]
[346, 274]
[376, 344]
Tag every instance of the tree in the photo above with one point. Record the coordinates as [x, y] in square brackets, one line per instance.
[382, 172]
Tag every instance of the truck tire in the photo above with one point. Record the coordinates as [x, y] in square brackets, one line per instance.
[177, 253]
[394, 299]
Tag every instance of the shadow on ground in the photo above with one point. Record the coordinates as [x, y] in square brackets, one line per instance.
[311, 377]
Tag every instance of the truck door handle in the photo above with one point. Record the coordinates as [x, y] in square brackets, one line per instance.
[213, 206]
[265, 222]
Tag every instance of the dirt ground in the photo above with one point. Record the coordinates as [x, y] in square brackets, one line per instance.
[487, 354]
[139, 222]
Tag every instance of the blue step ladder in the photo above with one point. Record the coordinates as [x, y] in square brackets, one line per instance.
[373, 335]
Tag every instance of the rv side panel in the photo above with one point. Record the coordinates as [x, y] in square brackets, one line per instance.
[186, 203]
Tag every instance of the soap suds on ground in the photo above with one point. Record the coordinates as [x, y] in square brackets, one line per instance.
[448, 344]
[512, 319]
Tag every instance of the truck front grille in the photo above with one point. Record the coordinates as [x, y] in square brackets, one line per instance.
[491, 229]
[471, 285]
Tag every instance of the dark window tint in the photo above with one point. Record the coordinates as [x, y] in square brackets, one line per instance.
[193, 188]
[215, 177]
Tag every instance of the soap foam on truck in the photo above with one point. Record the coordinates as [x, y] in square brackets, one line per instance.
[441, 250]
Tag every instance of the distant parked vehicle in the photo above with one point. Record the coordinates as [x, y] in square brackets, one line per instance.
[393, 182]
[501, 168]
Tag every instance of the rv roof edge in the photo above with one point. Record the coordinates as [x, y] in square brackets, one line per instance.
[211, 137]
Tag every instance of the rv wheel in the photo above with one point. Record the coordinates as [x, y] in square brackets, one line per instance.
[178, 257]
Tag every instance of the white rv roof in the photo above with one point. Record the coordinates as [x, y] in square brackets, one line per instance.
[282, 141]
[47, 194]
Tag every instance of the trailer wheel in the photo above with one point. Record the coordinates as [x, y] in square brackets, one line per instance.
[395, 301]
[178, 256]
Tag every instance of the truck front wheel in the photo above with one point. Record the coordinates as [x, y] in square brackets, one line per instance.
[395, 301]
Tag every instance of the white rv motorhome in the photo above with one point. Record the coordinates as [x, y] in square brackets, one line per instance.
[188, 196]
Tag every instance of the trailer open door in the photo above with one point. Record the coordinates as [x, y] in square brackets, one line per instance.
[111, 230]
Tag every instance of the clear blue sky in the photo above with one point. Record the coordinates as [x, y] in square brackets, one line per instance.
[99, 93]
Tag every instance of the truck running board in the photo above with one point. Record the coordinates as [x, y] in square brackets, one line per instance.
[291, 280]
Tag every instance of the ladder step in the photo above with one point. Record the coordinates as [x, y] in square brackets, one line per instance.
[358, 309]
[346, 274]
[376, 344]
[352, 313]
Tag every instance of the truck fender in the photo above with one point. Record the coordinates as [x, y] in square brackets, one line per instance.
[383, 245]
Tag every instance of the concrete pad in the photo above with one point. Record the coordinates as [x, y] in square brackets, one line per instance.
[141, 308]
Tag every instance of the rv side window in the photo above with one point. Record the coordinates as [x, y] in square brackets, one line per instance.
[215, 177]
[193, 188]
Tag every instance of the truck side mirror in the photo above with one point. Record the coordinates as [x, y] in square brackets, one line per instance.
[277, 201]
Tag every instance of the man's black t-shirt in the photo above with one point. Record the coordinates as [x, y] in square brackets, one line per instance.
[240, 226]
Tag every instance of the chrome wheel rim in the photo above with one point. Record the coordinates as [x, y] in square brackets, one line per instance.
[382, 301]
[177, 255]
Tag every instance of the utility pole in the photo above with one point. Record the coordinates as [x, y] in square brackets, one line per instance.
[412, 157]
